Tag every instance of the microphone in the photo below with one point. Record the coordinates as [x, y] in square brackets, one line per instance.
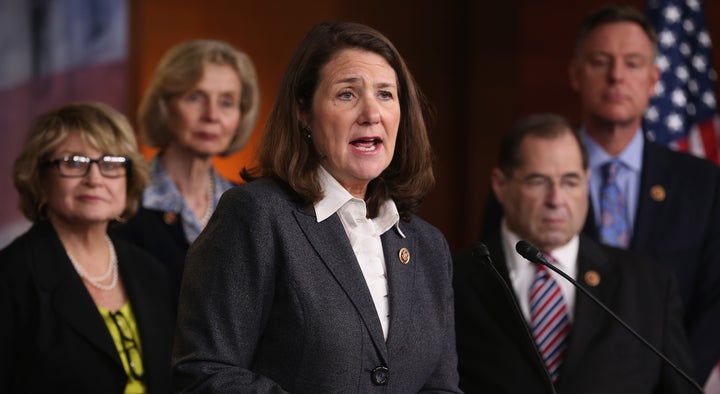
[482, 253]
[530, 252]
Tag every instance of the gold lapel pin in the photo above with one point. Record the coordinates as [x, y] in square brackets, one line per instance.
[404, 255]
[592, 278]
[657, 193]
[169, 217]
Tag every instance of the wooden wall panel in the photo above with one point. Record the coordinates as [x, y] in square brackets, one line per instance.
[481, 64]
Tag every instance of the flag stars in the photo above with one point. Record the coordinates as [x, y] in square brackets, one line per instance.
[685, 49]
[674, 122]
[708, 98]
[685, 91]
[678, 98]
[662, 63]
[667, 38]
[699, 63]
[704, 38]
[672, 14]
[689, 26]
[652, 114]
[659, 88]
[682, 73]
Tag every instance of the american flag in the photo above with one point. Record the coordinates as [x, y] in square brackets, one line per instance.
[683, 113]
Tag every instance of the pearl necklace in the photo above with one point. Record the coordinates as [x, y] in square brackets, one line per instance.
[210, 203]
[112, 269]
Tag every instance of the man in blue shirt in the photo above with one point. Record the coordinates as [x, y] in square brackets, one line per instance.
[669, 202]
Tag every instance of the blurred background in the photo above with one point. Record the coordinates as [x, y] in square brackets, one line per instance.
[482, 65]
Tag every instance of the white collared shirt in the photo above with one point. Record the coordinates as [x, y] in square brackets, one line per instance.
[364, 236]
[522, 272]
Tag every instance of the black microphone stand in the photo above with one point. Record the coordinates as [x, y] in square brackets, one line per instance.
[481, 252]
[530, 252]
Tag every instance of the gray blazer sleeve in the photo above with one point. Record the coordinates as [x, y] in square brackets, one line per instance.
[226, 294]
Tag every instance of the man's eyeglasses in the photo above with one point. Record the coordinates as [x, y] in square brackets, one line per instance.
[130, 346]
[77, 166]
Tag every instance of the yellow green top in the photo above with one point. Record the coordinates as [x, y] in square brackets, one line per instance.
[124, 332]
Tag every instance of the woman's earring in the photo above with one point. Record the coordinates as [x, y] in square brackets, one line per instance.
[306, 130]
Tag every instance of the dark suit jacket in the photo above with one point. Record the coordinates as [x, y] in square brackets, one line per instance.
[162, 235]
[681, 230]
[52, 337]
[496, 352]
[273, 301]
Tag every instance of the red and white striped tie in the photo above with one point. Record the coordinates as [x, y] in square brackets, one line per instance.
[549, 319]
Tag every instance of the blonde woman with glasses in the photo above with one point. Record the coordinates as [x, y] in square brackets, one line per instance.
[82, 312]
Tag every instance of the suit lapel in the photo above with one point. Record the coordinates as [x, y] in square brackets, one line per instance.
[505, 313]
[329, 240]
[70, 298]
[401, 279]
[148, 309]
[654, 173]
[589, 319]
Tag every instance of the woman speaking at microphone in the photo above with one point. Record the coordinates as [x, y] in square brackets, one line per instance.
[316, 276]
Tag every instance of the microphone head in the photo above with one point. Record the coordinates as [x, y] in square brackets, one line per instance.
[480, 250]
[530, 252]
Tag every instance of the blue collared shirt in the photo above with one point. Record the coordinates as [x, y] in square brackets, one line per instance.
[628, 177]
[162, 195]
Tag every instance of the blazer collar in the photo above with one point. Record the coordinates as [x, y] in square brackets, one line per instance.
[149, 305]
[330, 242]
[71, 299]
[506, 313]
[401, 280]
[655, 168]
[590, 320]
[654, 175]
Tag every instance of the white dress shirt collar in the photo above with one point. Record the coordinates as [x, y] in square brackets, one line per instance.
[335, 197]
[522, 272]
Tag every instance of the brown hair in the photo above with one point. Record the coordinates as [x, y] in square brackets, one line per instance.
[285, 154]
[99, 126]
[178, 72]
[615, 13]
[547, 126]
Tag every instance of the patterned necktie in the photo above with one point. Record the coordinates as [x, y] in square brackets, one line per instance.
[614, 221]
[549, 319]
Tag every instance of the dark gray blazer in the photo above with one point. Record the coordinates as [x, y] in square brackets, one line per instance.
[273, 301]
[52, 337]
[497, 353]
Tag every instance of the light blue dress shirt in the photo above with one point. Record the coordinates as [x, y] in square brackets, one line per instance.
[628, 177]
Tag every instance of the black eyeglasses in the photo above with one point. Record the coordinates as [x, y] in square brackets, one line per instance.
[130, 346]
[76, 166]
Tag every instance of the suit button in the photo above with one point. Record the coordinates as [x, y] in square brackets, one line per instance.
[380, 375]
